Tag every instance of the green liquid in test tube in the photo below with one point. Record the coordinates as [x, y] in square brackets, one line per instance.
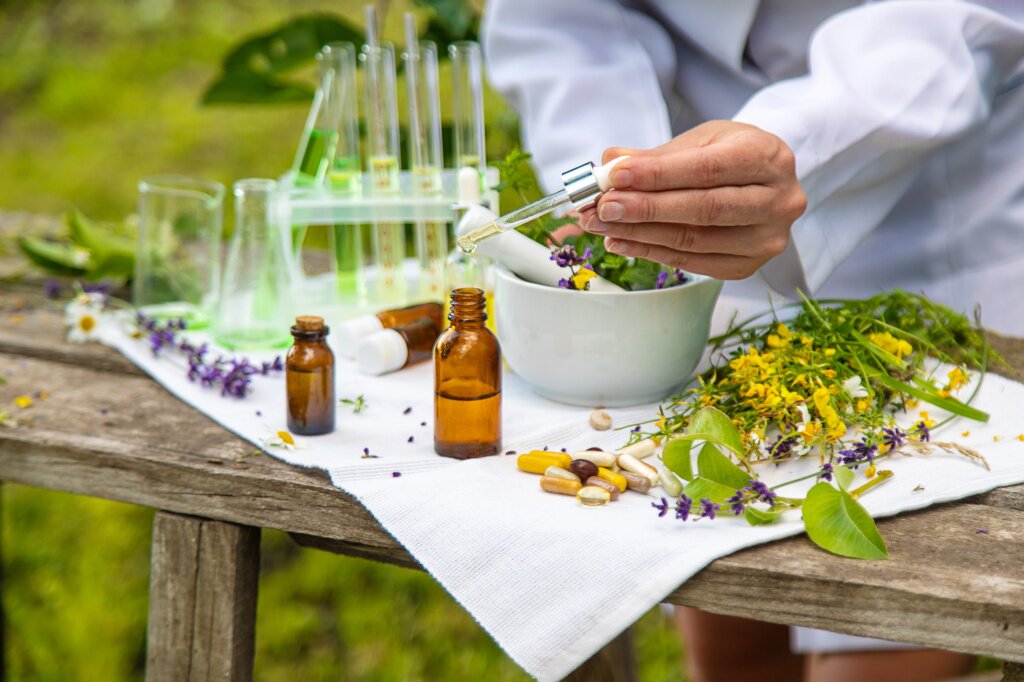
[344, 173]
[378, 60]
[425, 159]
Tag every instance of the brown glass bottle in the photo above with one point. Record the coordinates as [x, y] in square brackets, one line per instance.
[467, 382]
[309, 377]
[397, 348]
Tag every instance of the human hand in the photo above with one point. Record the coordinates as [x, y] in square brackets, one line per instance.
[718, 200]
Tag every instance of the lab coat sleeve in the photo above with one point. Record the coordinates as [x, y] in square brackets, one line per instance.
[888, 84]
[583, 74]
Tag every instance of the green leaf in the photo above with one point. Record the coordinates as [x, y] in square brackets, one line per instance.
[452, 20]
[252, 69]
[948, 404]
[57, 258]
[844, 477]
[761, 517]
[713, 465]
[639, 276]
[836, 522]
[701, 487]
[712, 420]
[676, 456]
[90, 235]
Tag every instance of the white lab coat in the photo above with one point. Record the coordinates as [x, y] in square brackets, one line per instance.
[906, 118]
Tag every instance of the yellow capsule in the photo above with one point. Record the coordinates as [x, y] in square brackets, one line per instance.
[558, 472]
[612, 477]
[562, 486]
[592, 496]
[612, 489]
[538, 461]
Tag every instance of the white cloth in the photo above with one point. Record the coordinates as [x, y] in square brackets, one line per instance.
[550, 580]
[906, 118]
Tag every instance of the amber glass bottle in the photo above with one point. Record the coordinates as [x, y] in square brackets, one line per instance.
[309, 377]
[467, 382]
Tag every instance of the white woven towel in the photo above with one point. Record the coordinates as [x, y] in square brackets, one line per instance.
[506, 550]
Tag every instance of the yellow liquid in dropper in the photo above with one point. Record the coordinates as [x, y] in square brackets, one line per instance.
[467, 242]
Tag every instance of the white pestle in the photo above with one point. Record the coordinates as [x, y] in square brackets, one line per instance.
[520, 254]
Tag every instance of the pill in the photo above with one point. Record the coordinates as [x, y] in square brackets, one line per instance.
[634, 465]
[640, 449]
[561, 486]
[592, 496]
[583, 468]
[636, 482]
[537, 461]
[600, 420]
[612, 477]
[671, 483]
[598, 457]
[612, 489]
[558, 472]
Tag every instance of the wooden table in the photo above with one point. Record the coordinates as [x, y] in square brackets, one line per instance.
[946, 585]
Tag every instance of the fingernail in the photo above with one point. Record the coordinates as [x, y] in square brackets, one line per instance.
[611, 210]
[621, 179]
[597, 226]
[616, 246]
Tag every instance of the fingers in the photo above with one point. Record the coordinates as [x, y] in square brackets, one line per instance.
[717, 165]
[747, 240]
[718, 265]
[616, 152]
[719, 206]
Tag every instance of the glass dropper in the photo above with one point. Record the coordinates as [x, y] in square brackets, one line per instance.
[582, 186]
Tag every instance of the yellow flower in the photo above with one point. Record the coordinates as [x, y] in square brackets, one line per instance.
[911, 404]
[995, 438]
[928, 421]
[829, 373]
[965, 434]
[1020, 436]
[862, 405]
[810, 430]
[957, 379]
[829, 352]
[23, 401]
[870, 471]
[942, 393]
[806, 340]
[580, 279]
[776, 342]
[286, 438]
[891, 344]
[783, 331]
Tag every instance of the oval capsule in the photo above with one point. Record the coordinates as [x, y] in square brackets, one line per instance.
[636, 466]
[562, 486]
[640, 449]
[559, 472]
[612, 489]
[598, 457]
[636, 482]
[670, 482]
[592, 496]
[537, 461]
[615, 479]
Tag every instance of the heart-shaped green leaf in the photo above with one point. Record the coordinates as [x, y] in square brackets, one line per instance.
[711, 420]
[701, 487]
[676, 456]
[844, 477]
[836, 522]
[715, 466]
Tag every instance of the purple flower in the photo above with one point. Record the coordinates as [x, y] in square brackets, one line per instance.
[826, 472]
[736, 503]
[708, 508]
[894, 437]
[662, 278]
[103, 288]
[662, 507]
[51, 288]
[761, 492]
[587, 255]
[396, 474]
[857, 453]
[565, 284]
[922, 431]
[565, 256]
[410, 439]
[783, 447]
[680, 276]
[683, 506]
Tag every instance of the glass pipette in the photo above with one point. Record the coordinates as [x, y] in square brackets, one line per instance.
[582, 186]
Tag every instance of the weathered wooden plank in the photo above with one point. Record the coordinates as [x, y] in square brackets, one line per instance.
[615, 662]
[224, 638]
[946, 585]
[396, 556]
[202, 608]
[174, 567]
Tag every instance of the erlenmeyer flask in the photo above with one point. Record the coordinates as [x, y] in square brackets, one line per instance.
[253, 311]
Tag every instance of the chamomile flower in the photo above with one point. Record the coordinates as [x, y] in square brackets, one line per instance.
[283, 440]
[854, 388]
[83, 316]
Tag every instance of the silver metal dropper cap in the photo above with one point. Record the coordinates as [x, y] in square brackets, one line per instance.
[581, 185]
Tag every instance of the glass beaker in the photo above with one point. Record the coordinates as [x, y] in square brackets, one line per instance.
[177, 257]
[253, 311]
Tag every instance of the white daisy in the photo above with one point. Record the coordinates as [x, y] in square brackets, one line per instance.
[853, 387]
[83, 316]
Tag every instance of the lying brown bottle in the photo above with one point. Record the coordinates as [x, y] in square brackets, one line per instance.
[309, 378]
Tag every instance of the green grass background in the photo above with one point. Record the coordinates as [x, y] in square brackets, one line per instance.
[95, 94]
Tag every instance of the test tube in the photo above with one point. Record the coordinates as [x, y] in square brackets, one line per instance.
[378, 61]
[425, 160]
[468, 96]
[344, 173]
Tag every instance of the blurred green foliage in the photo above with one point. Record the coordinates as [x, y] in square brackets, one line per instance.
[93, 96]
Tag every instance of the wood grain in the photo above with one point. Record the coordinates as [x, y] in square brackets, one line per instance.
[1013, 672]
[202, 604]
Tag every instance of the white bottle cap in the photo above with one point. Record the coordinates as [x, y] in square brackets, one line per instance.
[469, 186]
[603, 173]
[382, 352]
[350, 332]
